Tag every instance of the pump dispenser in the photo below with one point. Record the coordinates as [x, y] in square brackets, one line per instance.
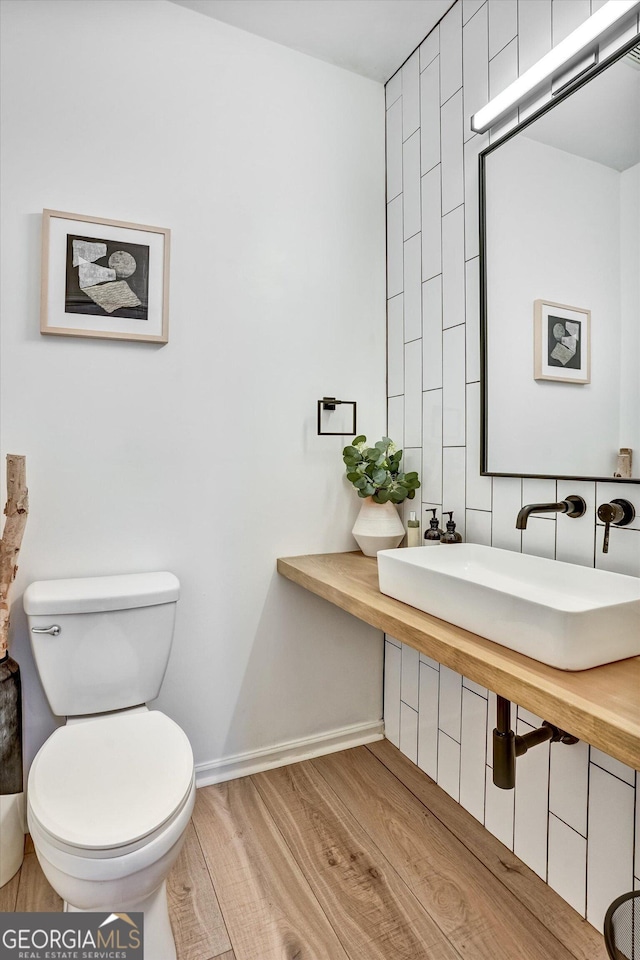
[434, 533]
[450, 536]
[413, 530]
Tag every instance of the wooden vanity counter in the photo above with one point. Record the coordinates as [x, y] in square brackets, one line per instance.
[600, 706]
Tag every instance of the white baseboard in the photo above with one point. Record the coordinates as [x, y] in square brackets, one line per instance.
[244, 764]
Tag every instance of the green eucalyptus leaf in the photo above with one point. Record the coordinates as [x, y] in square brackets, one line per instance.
[375, 471]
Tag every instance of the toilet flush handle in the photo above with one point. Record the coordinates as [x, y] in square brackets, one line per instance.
[54, 630]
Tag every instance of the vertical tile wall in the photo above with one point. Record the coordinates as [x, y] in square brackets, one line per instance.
[574, 813]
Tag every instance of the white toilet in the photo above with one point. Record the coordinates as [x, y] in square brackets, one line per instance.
[110, 793]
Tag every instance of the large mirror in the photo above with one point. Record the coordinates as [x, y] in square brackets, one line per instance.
[560, 267]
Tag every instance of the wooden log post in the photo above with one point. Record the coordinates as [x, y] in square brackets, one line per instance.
[11, 784]
[16, 511]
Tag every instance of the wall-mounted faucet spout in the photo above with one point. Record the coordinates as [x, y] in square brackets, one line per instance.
[573, 506]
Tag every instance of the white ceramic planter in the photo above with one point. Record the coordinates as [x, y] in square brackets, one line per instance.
[11, 835]
[378, 527]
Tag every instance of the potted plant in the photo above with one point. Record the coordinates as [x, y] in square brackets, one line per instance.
[376, 474]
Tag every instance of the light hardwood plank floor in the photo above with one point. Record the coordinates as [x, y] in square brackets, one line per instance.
[354, 856]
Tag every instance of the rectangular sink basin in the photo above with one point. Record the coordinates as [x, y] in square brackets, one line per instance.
[567, 616]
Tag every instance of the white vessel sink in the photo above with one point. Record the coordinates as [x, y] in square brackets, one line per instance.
[567, 616]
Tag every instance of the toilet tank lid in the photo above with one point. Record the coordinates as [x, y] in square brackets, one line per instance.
[97, 594]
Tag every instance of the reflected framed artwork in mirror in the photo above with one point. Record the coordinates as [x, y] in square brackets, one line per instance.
[560, 282]
[562, 349]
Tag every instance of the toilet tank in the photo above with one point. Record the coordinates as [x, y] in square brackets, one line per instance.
[106, 640]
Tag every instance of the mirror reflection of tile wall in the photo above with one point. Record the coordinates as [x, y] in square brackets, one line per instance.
[573, 810]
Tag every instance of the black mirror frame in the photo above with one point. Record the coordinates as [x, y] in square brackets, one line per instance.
[566, 91]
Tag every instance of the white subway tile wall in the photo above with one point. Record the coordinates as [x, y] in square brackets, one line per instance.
[532, 805]
[569, 785]
[411, 185]
[428, 719]
[450, 717]
[609, 842]
[411, 95]
[574, 816]
[409, 681]
[432, 334]
[472, 753]
[392, 668]
[409, 732]
[449, 765]
[499, 809]
[567, 863]
[412, 295]
[503, 24]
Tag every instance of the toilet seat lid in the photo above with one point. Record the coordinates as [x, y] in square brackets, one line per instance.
[107, 782]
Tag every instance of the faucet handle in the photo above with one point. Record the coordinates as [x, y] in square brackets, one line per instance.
[610, 512]
[617, 512]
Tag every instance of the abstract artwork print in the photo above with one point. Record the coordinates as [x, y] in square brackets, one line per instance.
[563, 343]
[107, 278]
[104, 278]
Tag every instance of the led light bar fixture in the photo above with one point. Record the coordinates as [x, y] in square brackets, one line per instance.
[567, 50]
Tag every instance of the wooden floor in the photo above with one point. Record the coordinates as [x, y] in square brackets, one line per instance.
[353, 856]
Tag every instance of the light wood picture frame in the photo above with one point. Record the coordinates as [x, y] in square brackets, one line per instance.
[562, 342]
[101, 278]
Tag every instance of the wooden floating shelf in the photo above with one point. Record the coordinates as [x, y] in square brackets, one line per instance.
[600, 706]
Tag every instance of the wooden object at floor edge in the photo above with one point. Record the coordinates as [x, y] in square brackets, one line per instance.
[11, 774]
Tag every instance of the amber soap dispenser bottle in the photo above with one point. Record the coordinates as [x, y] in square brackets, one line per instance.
[434, 533]
[450, 536]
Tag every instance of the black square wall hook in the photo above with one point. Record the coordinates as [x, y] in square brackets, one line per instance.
[328, 404]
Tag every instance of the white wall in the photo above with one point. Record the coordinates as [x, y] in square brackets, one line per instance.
[199, 457]
[571, 816]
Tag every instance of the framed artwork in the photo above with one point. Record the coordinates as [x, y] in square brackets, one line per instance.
[562, 342]
[104, 278]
